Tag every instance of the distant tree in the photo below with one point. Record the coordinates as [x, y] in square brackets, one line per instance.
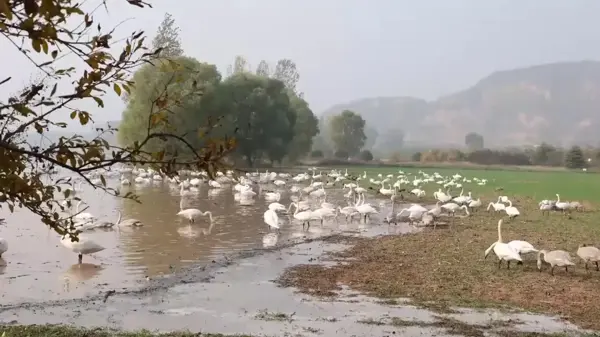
[305, 128]
[390, 140]
[240, 65]
[372, 136]
[574, 158]
[366, 155]
[542, 153]
[341, 154]
[416, 156]
[167, 38]
[347, 132]
[263, 69]
[316, 154]
[474, 141]
[166, 41]
[287, 72]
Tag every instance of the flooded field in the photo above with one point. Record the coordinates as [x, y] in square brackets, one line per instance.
[37, 267]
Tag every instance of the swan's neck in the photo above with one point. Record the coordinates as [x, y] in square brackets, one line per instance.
[118, 219]
[500, 231]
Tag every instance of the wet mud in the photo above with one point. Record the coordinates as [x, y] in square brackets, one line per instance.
[238, 295]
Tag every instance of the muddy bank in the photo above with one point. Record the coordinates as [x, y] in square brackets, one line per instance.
[238, 296]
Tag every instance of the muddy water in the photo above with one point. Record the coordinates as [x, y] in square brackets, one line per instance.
[37, 267]
[241, 299]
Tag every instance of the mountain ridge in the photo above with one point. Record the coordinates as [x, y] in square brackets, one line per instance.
[552, 102]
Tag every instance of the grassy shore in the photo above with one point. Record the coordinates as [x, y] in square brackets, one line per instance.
[67, 331]
[446, 267]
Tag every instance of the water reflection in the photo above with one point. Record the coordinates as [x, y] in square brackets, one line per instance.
[165, 243]
[80, 272]
[3, 265]
[270, 240]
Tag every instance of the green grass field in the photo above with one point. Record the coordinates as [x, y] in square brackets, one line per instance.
[572, 186]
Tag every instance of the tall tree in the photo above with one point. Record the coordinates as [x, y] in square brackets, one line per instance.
[347, 132]
[263, 69]
[258, 110]
[240, 65]
[43, 32]
[474, 141]
[305, 129]
[286, 72]
[184, 119]
[167, 38]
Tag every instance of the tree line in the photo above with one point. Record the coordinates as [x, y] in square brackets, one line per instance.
[544, 154]
[260, 109]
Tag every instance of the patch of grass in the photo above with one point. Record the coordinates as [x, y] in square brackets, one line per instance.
[443, 268]
[266, 315]
[68, 331]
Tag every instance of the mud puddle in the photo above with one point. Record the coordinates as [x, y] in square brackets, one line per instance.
[240, 297]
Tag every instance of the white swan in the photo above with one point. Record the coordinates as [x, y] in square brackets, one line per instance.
[556, 258]
[3, 242]
[84, 216]
[511, 211]
[81, 247]
[128, 222]
[502, 250]
[304, 216]
[192, 213]
[270, 217]
[585, 252]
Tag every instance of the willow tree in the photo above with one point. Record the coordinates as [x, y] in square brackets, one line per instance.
[44, 32]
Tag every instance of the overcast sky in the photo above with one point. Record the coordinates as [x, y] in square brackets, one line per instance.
[351, 49]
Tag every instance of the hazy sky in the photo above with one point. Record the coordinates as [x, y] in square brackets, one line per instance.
[351, 49]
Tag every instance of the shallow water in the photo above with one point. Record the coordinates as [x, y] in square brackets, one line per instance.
[37, 267]
[241, 299]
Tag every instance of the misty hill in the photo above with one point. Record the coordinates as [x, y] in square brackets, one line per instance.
[556, 103]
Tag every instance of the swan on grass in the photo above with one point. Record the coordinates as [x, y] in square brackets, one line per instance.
[555, 258]
[83, 246]
[585, 252]
[502, 250]
[511, 211]
[192, 213]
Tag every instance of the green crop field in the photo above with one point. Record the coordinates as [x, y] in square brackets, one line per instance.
[571, 185]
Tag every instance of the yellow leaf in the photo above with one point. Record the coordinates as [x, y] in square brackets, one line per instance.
[45, 46]
[117, 89]
[73, 114]
[84, 118]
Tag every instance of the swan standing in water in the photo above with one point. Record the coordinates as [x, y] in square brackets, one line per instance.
[192, 213]
[3, 242]
[82, 247]
[502, 250]
[270, 217]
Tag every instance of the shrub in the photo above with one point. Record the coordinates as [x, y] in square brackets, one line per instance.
[316, 154]
[416, 156]
[366, 155]
[341, 154]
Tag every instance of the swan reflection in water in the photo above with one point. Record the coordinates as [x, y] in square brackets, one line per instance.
[192, 232]
[81, 272]
[3, 265]
[270, 240]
